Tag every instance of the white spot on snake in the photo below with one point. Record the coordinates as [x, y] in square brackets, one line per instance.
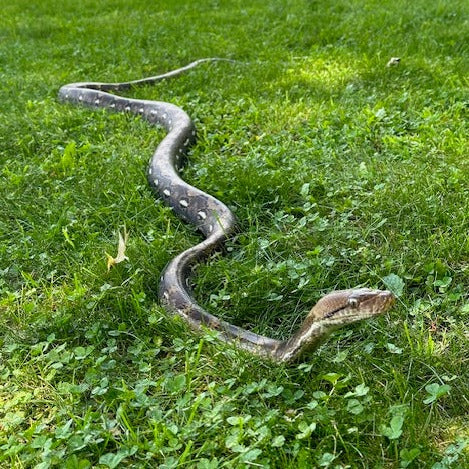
[193, 133]
[141, 110]
[113, 105]
[167, 192]
[210, 228]
[184, 203]
[182, 313]
[166, 295]
[165, 116]
[153, 112]
[96, 101]
[149, 170]
[80, 98]
[202, 215]
[181, 150]
[170, 121]
[127, 108]
[186, 142]
[66, 96]
[156, 182]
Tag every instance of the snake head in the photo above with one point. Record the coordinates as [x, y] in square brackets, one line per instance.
[343, 307]
[334, 310]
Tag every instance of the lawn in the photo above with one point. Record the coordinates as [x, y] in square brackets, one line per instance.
[342, 172]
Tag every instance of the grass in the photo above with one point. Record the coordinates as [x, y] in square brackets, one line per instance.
[341, 171]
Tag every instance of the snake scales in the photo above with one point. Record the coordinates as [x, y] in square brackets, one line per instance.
[216, 222]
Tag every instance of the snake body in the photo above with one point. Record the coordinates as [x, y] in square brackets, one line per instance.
[216, 222]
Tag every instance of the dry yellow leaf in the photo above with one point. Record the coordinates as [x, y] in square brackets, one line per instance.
[112, 261]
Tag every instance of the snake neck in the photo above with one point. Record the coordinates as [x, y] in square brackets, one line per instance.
[301, 343]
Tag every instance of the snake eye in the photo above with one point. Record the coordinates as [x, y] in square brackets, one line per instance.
[353, 302]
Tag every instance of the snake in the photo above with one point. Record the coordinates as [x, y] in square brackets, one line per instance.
[217, 223]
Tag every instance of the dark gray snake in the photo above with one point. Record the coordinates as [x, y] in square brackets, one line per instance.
[216, 221]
